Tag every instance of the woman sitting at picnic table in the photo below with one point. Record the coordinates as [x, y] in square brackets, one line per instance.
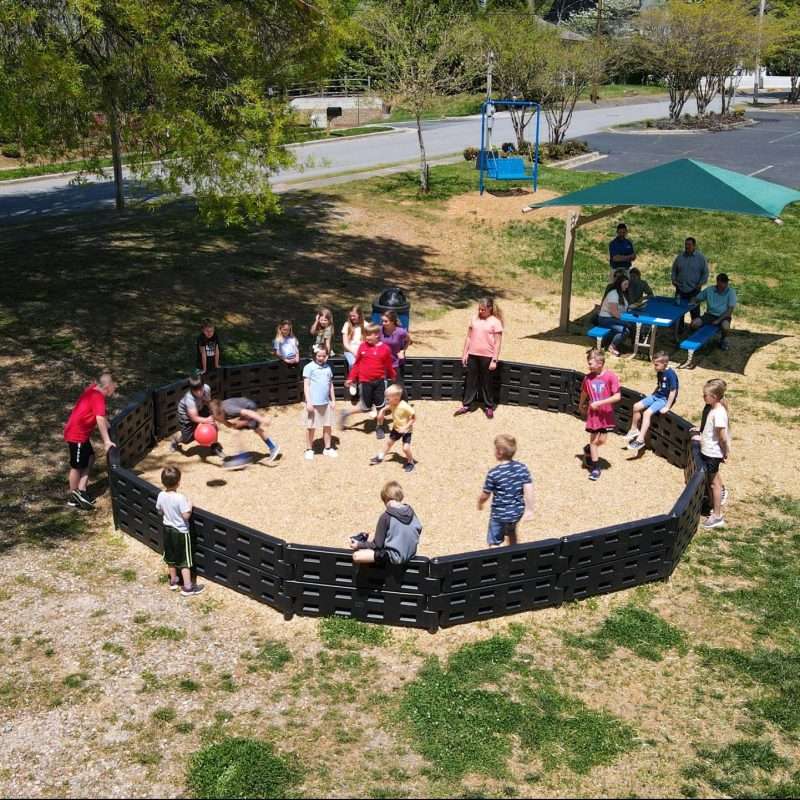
[612, 306]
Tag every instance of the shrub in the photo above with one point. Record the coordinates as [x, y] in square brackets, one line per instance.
[240, 768]
[470, 154]
[11, 151]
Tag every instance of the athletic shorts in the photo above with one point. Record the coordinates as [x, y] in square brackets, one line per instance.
[372, 394]
[655, 404]
[396, 435]
[234, 406]
[711, 464]
[80, 454]
[177, 548]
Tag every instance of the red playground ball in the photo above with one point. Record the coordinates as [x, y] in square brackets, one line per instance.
[205, 434]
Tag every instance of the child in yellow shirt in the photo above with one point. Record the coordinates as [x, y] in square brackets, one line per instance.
[402, 416]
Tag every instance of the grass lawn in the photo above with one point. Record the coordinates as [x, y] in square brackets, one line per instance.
[686, 689]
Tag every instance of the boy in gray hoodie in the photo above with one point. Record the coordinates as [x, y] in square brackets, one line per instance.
[396, 534]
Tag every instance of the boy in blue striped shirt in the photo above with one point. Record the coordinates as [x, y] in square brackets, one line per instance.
[510, 486]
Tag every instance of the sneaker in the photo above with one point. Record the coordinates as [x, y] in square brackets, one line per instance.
[594, 475]
[613, 350]
[489, 413]
[353, 390]
[174, 446]
[73, 500]
[380, 433]
[173, 587]
[274, 452]
[376, 460]
[308, 455]
[409, 466]
[723, 345]
[714, 522]
[635, 444]
[216, 449]
[723, 501]
[239, 461]
[191, 591]
[459, 411]
[330, 452]
[632, 434]
[84, 500]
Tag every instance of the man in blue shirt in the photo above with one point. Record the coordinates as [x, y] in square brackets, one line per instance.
[621, 253]
[689, 273]
[720, 301]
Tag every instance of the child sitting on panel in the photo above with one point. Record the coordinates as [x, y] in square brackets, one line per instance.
[322, 331]
[207, 347]
[659, 402]
[510, 486]
[402, 417]
[285, 344]
[320, 402]
[396, 534]
[240, 413]
[600, 392]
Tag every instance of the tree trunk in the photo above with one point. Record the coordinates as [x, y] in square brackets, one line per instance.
[116, 150]
[677, 100]
[794, 90]
[424, 184]
[704, 92]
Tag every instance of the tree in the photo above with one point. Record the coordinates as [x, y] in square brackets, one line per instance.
[569, 69]
[421, 49]
[613, 17]
[181, 82]
[783, 54]
[519, 42]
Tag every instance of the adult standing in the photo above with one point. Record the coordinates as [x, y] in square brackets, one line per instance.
[689, 273]
[720, 302]
[398, 340]
[480, 356]
[89, 411]
[621, 252]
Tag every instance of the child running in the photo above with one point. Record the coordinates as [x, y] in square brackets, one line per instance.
[285, 344]
[194, 409]
[207, 346]
[320, 402]
[599, 393]
[396, 534]
[176, 510]
[373, 366]
[510, 486]
[715, 447]
[659, 402]
[322, 330]
[403, 417]
[240, 413]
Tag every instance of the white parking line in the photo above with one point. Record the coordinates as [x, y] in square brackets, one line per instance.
[759, 171]
[781, 138]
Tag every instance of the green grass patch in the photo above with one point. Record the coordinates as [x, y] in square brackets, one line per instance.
[788, 395]
[346, 632]
[462, 723]
[271, 656]
[457, 105]
[77, 680]
[164, 632]
[165, 714]
[189, 685]
[743, 769]
[784, 366]
[305, 133]
[635, 628]
[34, 170]
[240, 768]
[114, 648]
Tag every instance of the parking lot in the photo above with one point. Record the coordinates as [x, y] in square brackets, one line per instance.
[769, 149]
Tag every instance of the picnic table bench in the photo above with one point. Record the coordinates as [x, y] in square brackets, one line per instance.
[698, 339]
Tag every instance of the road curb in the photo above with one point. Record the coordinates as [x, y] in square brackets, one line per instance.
[579, 161]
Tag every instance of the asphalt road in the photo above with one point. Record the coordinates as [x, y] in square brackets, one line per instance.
[26, 201]
[770, 149]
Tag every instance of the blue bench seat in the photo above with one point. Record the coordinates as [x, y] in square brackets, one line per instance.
[597, 333]
[698, 339]
[508, 169]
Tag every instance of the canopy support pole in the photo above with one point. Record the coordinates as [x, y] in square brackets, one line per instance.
[574, 221]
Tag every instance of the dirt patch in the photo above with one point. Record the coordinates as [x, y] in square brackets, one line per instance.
[453, 457]
[500, 209]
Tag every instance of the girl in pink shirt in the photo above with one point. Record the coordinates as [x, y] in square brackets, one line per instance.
[481, 352]
[599, 394]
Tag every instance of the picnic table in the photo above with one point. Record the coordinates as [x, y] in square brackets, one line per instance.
[656, 312]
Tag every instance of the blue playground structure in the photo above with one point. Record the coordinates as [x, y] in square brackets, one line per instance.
[511, 168]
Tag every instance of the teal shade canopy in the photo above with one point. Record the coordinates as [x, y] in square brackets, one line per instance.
[686, 183]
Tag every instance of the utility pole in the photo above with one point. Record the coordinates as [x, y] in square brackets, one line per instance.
[757, 75]
[595, 96]
[489, 107]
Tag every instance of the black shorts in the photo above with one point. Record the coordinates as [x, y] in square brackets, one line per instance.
[711, 464]
[606, 429]
[382, 557]
[234, 406]
[372, 394]
[395, 435]
[187, 433]
[80, 454]
[177, 548]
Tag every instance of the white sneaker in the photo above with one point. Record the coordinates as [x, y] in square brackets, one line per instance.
[714, 522]
[309, 455]
[353, 390]
[632, 434]
[330, 452]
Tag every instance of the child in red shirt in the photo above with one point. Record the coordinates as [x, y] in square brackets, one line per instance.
[371, 369]
[599, 394]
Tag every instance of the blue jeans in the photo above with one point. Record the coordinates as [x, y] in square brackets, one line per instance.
[349, 358]
[618, 330]
[499, 529]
